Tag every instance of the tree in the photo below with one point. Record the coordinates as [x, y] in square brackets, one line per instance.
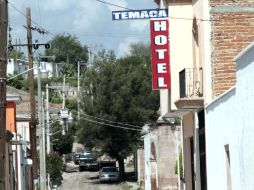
[16, 54]
[68, 51]
[16, 82]
[119, 91]
[67, 47]
[62, 143]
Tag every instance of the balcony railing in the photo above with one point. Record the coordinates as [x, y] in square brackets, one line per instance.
[191, 82]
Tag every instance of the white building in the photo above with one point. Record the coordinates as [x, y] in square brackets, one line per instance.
[48, 69]
[229, 132]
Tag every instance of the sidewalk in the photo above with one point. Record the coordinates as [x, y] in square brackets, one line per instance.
[132, 185]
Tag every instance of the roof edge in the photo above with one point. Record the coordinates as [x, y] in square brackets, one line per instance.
[244, 51]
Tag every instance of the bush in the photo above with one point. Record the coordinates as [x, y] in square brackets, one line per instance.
[55, 166]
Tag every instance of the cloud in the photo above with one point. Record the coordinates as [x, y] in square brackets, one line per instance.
[90, 20]
[117, 2]
[56, 5]
[124, 46]
[139, 25]
[87, 15]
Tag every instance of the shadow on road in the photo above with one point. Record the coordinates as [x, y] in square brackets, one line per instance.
[130, 177]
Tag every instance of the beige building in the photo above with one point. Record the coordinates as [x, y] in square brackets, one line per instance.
[205, 36]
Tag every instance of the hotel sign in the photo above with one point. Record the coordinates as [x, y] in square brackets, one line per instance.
[160, 54]
[139, 14]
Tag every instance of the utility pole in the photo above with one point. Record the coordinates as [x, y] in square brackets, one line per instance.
[42, 135]
[32, 96]
[47, 118]
[78, 91]
[63, 104]
[3, 63]
[48, 129]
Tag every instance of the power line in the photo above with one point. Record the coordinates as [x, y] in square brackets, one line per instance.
[22, 13]
[92, 121]
[170, 17]
[114, 34]
[112, 4]
[115, 5]
[110, 121]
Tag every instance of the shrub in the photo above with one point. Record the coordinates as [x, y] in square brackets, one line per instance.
[55, 166]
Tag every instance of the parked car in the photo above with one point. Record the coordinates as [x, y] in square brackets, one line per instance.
[109, 174]
[68, 157]
[88, 162]
[76, 157]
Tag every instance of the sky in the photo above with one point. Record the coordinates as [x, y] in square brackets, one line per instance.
[89, 20]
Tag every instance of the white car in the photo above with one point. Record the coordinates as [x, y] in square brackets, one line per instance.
[109, 174]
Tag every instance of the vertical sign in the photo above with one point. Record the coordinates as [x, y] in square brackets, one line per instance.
[160, 54]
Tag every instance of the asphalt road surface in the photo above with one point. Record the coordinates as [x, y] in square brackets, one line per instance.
[86, 180]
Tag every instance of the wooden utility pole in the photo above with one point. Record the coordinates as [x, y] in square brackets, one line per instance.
[3, 63]
[32, 97]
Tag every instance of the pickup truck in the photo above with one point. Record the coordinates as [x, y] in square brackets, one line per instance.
[88, 162]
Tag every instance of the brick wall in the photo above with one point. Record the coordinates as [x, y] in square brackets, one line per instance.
[232, 25]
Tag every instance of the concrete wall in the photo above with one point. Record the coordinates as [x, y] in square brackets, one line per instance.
[160, 158]
[181, 51]
[163, 157]
[202, 52]
[141, 167]
[229, 121]
[147, 151]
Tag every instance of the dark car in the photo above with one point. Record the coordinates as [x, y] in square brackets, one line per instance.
[76, 157]
[109, 174]
[88, 162]
[68, 157]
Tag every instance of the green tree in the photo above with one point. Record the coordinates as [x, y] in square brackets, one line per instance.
[16, 82]
[120, 91]
[16, 54]
[69, 51]
[62, 143]
[66, 47]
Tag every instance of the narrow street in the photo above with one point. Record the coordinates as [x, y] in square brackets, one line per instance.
[86, 180]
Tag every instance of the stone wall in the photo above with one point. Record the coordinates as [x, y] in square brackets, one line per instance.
[163, 156]
[141, 167]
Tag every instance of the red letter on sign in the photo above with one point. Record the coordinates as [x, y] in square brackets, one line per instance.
[160, 54]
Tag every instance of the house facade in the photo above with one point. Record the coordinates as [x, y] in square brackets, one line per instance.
[220, 29]
[48, 69]
[213, 33]
[229, 118]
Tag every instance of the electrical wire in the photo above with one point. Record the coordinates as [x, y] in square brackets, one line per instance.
[111, 121]
[170, 17]
[112, 4]
[101, 123]
[21, 12]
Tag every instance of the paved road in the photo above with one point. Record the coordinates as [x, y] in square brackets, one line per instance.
[75, 180]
